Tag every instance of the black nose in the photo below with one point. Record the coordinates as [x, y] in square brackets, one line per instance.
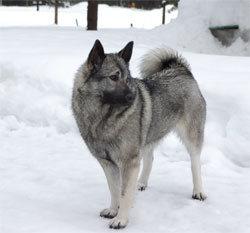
[130, 98]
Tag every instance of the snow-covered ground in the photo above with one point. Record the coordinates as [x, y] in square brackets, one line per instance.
[49, 182]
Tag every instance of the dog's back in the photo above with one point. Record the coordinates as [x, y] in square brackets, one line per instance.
[175, 96]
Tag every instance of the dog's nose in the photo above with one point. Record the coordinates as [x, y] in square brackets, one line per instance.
[130, 98]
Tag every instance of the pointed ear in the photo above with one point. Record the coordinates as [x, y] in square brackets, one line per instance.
[126, 53]
[96, 55]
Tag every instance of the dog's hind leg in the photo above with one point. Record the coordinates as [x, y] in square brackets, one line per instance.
[112, 174]
[196, 173]
[147, 155]
[191, 133]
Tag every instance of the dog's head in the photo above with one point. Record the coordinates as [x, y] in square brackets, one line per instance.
[107, 76]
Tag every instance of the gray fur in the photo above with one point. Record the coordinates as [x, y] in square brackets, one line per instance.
[152, 61]
[123, 120]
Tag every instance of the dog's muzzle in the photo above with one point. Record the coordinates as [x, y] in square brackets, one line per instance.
[124, 98]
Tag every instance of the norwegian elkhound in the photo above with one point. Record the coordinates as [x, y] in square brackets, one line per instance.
[121, 118]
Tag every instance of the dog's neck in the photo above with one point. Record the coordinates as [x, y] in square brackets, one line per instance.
[107, 125]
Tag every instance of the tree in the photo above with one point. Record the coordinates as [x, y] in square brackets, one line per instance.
[56, 11]
[92, 15]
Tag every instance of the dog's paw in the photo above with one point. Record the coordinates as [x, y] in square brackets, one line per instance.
[118, 223]
[141, 186]
[108, 213]
[199, 196]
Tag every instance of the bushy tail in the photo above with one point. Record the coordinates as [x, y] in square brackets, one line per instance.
[159, 59]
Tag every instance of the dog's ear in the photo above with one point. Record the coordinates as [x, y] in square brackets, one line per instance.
[126, 52]
[96, 55]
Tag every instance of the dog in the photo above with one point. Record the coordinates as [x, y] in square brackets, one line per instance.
[121, 118]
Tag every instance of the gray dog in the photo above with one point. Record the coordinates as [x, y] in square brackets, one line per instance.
[121, 119]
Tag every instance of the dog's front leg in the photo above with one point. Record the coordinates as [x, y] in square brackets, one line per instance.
[129, 169]
[112, 173]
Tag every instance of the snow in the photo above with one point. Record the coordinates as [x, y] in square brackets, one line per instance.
[218, 12]
[49, 182]
[195, 17]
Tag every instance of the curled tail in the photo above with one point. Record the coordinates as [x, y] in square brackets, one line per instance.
[159, 59]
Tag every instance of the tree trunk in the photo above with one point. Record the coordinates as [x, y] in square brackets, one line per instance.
[37, 5]
[92, 15]
[163, 13]
[56, 11]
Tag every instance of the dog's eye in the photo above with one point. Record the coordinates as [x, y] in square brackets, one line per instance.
[114, 77]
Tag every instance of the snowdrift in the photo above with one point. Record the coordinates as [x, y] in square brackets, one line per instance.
[190, 30]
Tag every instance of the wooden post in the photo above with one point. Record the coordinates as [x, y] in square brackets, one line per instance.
[37, 5]
[92, 15]
[1, 2]
[164, 3]
[56, 11]
[27, 2]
